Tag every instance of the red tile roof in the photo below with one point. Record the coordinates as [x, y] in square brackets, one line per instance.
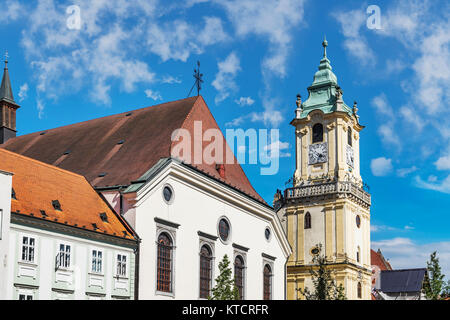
[92, 148]
[37, 184]
[377, 259]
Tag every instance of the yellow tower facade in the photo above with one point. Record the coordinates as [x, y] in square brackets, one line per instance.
[327, 211]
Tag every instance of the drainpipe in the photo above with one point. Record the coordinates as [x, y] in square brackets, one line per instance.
[136, 271]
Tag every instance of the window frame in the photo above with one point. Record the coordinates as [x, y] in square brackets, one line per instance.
[349, 136]
[35, 249]
[307, 221]
[230, 230]
[312, 133]
[116, 264]
[270, 265]
[171, 292]
[210, 270]
[244, 272]
[359, 290]
[58, 255]
[102, 264]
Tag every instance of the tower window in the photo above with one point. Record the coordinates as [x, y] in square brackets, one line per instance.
[349, 136]
[307, 220]
[317, 133]
[358, 255]
[359, 290]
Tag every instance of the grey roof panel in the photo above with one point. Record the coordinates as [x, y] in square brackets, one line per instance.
[408, 280]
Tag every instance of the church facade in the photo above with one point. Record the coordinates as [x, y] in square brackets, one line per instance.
[327, 211]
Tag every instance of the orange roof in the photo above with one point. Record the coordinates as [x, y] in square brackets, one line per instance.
[37, 185]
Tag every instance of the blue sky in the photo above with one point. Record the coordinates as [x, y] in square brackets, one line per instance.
[256, 56]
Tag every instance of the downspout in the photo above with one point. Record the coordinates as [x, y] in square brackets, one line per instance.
[136, 270]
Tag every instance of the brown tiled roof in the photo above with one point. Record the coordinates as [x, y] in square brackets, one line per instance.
[118, 149]
[37, 185]
[377, 259]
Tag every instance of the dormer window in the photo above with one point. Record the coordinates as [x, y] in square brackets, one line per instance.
[317, 133]
[13, 194]
[56, 205]
[104, 217]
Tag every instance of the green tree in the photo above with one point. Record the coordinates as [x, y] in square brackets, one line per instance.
[324, 284]
[225, 288]
[434, 283]
[446, 290]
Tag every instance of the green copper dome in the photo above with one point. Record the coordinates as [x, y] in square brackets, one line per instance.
[324, 92]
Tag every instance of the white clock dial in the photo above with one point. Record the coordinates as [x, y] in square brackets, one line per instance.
[318, 153]
[350, 160]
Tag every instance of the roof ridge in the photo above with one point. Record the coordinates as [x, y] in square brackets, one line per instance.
[111, 115]
[399, 270]
[42, 163]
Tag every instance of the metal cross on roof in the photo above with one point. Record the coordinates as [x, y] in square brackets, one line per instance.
[198, 80]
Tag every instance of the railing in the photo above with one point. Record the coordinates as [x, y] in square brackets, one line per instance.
[326, 189]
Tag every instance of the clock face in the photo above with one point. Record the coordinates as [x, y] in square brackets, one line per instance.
[318, 153]
[350, 161]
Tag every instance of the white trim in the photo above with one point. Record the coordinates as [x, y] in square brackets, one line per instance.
[35, 254]
[90, 260]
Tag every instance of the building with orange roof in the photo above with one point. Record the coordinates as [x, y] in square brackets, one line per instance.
[59, 238]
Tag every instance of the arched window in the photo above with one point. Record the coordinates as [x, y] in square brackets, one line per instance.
[267, 282]
[317, 133]
[359, 290]
[164, 277]
[358, 254]
[307, 220]
[239, 275]
[205, 271]
[349, 136]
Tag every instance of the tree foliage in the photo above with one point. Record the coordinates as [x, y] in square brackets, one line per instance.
[324, 284]
[225, 288]
[434, 285]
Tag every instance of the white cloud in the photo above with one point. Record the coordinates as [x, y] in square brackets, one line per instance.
[11, 10]
[356, 45]
[404, 253]
[40, 107]
[170, 80]
[443, 163]
[381, 166]
[273, 20]
[412, 116]
[403, 172]
[23, 92]
[245, 101]
[432, 184]
[153, 94]
[224, 82]
[382, 106]
[277, 149]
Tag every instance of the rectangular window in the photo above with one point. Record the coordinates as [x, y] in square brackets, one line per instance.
[28, 249]
[121, 265]
[63, 257]
[25, 297]
[97, 258]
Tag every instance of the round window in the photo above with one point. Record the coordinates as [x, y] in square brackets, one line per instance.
[315, 251]
[358, 221]
[224, 229]
[167, 193]
[267, 234]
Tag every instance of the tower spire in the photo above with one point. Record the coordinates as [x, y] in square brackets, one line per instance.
[325, 45]
[5, 88]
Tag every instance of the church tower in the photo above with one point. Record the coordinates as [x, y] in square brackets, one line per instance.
[8, 107]
[327, 211]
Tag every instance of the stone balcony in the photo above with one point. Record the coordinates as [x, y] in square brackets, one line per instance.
[339, 189]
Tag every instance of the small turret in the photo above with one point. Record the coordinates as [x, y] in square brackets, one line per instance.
[8, 107]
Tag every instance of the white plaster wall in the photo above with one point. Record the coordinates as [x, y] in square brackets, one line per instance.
[47, 244]
[195, 210]
[5, 208]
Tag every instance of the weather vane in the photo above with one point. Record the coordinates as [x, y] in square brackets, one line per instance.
[198, 80]
[6, 57]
